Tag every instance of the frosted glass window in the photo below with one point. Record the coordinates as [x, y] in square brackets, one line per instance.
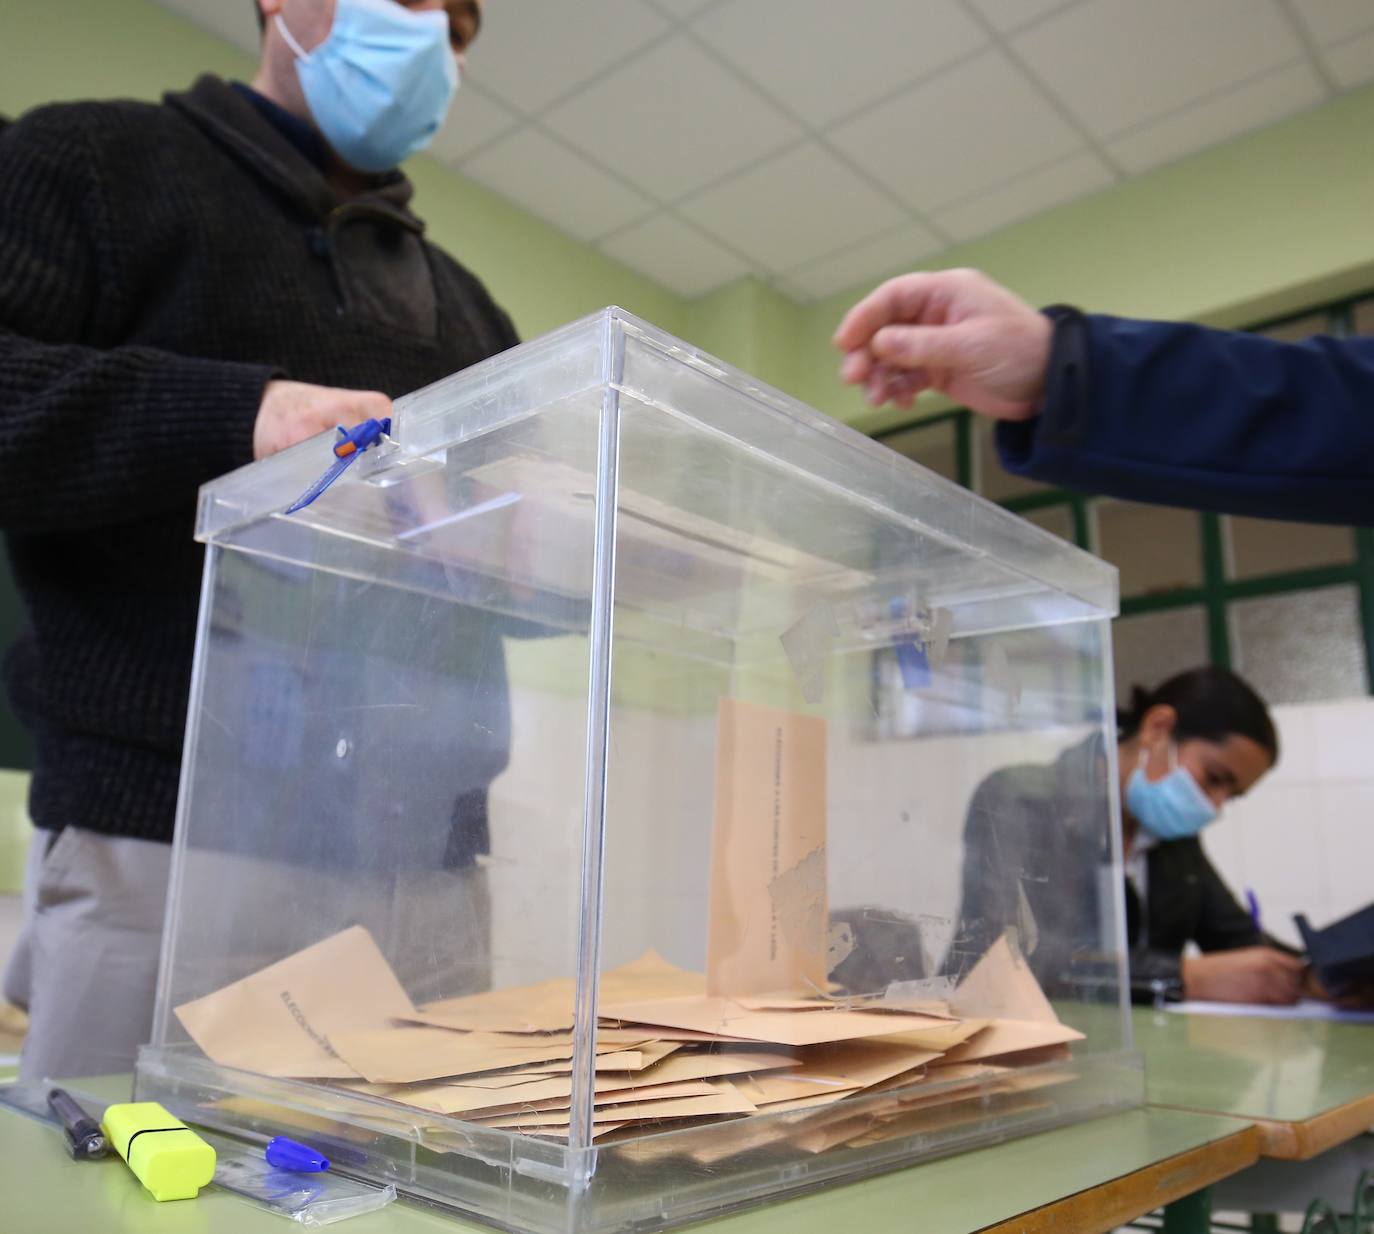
[1151, 647]
[1301, 647]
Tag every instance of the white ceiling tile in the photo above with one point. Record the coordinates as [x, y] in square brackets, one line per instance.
[1352, 63]
[795, 205]
[233, 22]
[1009, 15]
[894, 252]
[1330, 20]
[1116, 63]
[474, 120]
[551, 181]
[532, 51]
[672, 120]
[1237, 111]
[822, 63]
[960, 132]
[675, 255]
[1075, 176]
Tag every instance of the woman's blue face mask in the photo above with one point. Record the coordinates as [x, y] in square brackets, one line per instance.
[1172, 808]
[380, 84]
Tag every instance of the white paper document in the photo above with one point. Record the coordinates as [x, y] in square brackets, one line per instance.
[1308, 1009]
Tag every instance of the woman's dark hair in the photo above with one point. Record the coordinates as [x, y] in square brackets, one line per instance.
[1211, 704]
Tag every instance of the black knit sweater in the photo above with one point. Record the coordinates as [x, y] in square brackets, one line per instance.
[159, 264]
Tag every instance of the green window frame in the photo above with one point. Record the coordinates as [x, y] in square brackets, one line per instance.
[1217, 592]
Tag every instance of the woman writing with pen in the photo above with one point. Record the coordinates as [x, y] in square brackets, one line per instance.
[1201, 739]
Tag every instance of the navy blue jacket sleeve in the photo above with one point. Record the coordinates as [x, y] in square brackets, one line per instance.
[1209, 419]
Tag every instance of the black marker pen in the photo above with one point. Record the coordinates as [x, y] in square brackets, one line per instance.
[83, 1132]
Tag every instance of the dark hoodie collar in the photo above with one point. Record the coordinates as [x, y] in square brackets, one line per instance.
[246, 132]
[303, 136]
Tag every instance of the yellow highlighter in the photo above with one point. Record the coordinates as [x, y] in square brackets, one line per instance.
[166, 1156]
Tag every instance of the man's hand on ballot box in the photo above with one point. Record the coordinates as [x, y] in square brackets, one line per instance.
[293, 411]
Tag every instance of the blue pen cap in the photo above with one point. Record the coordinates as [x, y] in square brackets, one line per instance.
[288, 1155]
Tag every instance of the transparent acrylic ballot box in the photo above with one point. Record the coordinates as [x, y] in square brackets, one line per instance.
[626, 794]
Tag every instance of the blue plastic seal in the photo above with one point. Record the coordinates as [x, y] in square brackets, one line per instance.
[913, 657]
[350, 446]
[289, 1155]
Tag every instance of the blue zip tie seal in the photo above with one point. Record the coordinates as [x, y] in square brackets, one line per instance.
[287, 1154]
[352, 442]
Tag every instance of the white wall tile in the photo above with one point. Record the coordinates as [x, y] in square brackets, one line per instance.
[1297, 726]
[1304, 837]
[1280, 837]
[1347, 812]
[1344, 735]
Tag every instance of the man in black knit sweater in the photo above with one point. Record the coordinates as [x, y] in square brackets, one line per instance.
[184, 287]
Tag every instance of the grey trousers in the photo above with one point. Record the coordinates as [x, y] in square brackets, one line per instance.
[85, 967]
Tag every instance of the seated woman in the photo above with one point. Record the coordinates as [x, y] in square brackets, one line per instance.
[1201, 739]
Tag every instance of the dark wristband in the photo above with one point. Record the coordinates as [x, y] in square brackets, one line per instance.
[1065, 408]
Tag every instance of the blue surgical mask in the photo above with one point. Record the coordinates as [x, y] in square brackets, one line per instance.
[380, 84]
[1173, 808]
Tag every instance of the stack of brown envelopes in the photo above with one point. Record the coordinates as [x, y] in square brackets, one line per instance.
[667, 1054]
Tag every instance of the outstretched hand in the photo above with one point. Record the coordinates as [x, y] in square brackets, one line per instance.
[955, 331]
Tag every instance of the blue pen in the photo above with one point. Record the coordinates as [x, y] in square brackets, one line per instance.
[1253, 905]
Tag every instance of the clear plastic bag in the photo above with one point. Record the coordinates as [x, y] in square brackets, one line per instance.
[313, 1200]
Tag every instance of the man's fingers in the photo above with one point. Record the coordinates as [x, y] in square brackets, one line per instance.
[899, 299]
[856, 366]
[912, 347]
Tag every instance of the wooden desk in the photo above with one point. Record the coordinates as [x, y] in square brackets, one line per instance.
[1307, 1084]
[1087, 1178]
